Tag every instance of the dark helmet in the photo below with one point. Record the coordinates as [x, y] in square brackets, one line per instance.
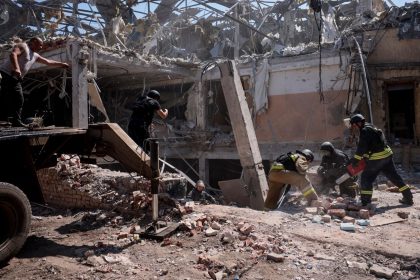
[154, 94]
[327, 146]
[308, 154]
[357, 118]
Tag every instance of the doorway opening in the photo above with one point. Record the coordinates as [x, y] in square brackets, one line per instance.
[401, 115]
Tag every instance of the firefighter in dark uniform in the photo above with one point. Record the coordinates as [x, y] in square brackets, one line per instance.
[290, 169]
[373, 147]
[143, 111]
[333, 165]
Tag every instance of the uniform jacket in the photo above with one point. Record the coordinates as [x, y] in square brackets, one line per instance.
[294, 162]
[372, 144]
[331, 165]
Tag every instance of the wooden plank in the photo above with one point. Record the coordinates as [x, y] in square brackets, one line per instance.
[382, 221]
[245, 138]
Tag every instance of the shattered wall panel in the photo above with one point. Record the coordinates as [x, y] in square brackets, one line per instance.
[391, 50]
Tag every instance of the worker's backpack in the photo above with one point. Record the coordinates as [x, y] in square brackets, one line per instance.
[288, 161]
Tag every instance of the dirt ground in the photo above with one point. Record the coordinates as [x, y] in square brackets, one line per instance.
[65, 244]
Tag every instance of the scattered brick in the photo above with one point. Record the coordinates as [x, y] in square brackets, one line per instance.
[403, 215]
[338, 205]
[311, 210]
[382, 271]
[340, 213]
[246, 229]
[122, 235]
[215, 226]
[348, 219]
[326, 218]
[210, 232]
[275, 257]
[364, 214]
[189, 206]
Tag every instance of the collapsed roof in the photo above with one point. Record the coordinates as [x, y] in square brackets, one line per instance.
[200, 30]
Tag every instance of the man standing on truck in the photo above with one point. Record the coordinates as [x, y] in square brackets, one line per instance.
[20, 61]
[142, 116]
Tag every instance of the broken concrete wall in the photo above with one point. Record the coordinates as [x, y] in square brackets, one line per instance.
[295, 109]
[389, 49]
[392, 62]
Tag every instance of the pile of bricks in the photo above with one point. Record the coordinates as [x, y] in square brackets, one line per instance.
[72, 184]
[343, 210]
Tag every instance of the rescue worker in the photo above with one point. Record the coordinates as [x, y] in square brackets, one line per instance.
[333, 165]
[20, 61]
[290, 169]
[378, 155]
[142, 116]
[198, 193]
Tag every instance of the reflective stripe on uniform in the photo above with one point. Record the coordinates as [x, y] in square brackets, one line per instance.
[308, 191]
[277, 166]
[384, 154]
[358, 157]
[403, 188]
[366, 192]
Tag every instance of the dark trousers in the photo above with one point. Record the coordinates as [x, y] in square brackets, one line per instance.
[11, 99]
[372, 170]
[139, 132]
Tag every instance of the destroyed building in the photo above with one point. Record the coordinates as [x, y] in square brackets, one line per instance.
[302, 73]
[244, 81]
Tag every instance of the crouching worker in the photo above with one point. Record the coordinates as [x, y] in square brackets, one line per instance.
[290, 169]
[333, 165]
[198, 193]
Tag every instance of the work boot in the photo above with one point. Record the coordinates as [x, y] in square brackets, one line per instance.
[406, 201]
[407, 197]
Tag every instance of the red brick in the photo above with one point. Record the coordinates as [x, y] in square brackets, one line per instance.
[341, 213]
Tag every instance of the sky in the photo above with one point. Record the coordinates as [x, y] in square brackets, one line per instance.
[401, 2]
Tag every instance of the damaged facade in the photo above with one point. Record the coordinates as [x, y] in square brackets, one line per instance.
[298, 92]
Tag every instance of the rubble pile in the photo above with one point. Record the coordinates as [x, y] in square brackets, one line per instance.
[73, 184]
[216, 242]
[347, 213]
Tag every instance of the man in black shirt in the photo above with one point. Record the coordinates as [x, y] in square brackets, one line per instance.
[142, 116]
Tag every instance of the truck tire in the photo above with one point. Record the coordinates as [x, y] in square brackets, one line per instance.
[15, 217]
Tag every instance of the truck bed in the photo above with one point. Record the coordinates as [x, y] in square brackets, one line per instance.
[11, 133]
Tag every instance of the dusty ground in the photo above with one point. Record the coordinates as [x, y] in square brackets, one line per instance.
[78, 245]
